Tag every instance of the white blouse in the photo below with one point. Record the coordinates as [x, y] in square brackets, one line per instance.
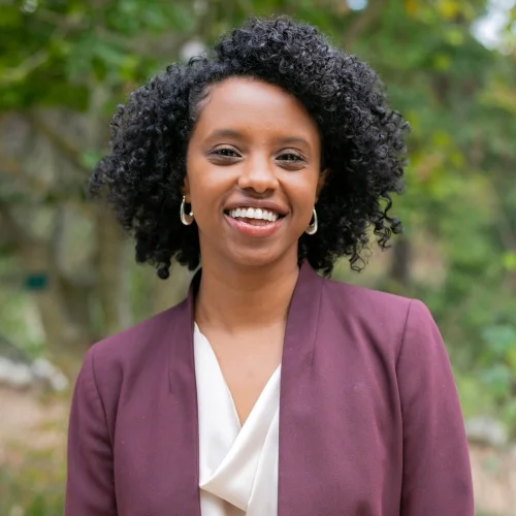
[238, 465]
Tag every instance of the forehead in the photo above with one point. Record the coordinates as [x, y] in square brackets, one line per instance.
[248, 104]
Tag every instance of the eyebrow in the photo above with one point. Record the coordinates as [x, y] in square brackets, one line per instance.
[294, 140]
[224, 133]
[232, 133]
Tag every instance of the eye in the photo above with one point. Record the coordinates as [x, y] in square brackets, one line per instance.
[226, 152]
[291, 157]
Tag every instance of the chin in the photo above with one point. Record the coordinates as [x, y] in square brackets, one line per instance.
[260, 257]
[253, 260]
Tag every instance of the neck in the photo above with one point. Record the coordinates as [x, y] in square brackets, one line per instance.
[234, 298]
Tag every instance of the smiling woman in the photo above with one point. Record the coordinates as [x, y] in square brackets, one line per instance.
[270, 390]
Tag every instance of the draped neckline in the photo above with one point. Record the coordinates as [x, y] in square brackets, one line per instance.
[238, 463]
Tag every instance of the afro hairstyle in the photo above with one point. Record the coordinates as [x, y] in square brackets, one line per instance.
[362, 143]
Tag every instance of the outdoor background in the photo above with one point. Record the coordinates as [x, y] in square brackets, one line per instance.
[67, 275]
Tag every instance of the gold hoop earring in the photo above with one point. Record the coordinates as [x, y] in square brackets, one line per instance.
[313, 226]
[185, 219]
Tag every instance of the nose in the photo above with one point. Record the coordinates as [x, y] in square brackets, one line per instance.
[258, 175]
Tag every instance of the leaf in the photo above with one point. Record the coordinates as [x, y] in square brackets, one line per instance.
[10, 16]
[509, 261]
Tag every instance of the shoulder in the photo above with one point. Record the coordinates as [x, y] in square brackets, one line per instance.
[135, 353]
[145, 336]
[365, 302]
[385, 320]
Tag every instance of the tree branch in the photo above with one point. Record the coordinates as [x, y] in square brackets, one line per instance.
[63, 22]
[19, 73]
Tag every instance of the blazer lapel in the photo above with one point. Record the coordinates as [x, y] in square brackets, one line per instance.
[295, 398]
[295, 401]
[184, 431]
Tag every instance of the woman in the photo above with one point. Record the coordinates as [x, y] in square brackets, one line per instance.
[270, 390]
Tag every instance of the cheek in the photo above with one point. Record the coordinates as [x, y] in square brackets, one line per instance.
[198, 173]
[207, 186]
[303, 191]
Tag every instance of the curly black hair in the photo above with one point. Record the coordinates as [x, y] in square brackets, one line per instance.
[362, 143]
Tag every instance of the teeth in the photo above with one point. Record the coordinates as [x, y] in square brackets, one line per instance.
[251, 213]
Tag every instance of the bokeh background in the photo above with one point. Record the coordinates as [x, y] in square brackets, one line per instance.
[67, 275]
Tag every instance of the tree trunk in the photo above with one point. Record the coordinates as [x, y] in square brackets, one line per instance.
[66, 340]
[112, 283]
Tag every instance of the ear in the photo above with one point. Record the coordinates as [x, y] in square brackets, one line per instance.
[321, 182]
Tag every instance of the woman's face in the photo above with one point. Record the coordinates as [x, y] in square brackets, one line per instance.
[253, 173]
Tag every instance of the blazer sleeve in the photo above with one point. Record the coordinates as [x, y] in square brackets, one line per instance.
[89, 485]
[436, 468]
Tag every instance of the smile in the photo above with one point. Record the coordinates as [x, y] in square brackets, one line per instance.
[253, 215]
[255, 222]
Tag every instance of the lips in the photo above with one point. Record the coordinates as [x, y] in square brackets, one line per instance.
[253, 226]
[242, 203]
[255, 217]
[252, 214]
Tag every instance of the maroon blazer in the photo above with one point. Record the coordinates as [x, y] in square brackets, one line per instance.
[370, 423]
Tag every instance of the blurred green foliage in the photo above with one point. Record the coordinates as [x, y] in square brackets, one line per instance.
[34, 487]
[65, 65]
